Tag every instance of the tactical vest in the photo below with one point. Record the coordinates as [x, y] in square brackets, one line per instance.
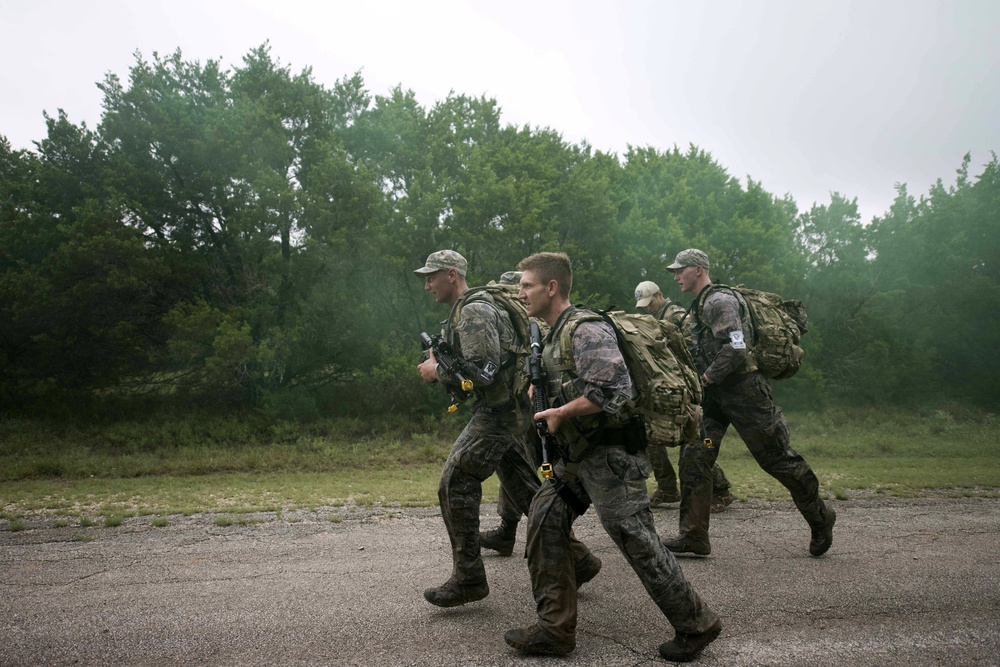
[499, 396]
[564, 383]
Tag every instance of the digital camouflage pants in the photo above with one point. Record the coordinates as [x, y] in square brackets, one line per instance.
[666, 478]
[615, 482]
[748, 406]
[486, 445]
[507, 507]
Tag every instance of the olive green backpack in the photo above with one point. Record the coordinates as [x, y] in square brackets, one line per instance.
[662, 371]
[505, 297]
[778, 327]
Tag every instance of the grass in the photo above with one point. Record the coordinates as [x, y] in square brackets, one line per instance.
[235, 467]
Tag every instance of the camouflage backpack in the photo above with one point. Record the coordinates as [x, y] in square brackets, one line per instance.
[505, 297]
[661, 367]
[778, 327]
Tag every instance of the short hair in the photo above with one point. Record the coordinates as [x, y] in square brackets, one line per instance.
[551, 266]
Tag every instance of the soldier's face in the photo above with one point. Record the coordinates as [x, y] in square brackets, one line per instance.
[686, 277]
[534, 294]
[439, 285]
[653, 307]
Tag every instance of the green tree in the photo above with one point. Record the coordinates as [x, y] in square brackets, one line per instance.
[80, 296]
[244, 176]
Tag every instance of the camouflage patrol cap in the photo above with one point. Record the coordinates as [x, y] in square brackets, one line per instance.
[442, 260]
[511, 278]
[644, 293]
[689, 257]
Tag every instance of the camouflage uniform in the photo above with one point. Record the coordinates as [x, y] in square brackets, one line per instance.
[613, 480]
[489, 443]
[740, 396]
[507, 507]
[675, 314]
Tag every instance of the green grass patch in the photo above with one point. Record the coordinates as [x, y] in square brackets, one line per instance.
[238, 467]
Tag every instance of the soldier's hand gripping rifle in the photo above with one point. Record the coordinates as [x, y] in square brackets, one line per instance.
[451, 363]
[541, 402]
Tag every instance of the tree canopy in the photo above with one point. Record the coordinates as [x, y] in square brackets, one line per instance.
[249, 235]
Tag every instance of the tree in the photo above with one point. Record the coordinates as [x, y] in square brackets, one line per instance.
[244, 175]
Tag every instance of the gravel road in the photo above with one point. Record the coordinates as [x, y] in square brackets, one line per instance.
[907, 582]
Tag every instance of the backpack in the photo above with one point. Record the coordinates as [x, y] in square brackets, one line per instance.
[778, 327]
[506, 298]
[662, 370]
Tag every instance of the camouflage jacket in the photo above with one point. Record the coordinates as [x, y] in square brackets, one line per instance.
[722, 334]
[480, 338]
[672, 312]
[596, 370]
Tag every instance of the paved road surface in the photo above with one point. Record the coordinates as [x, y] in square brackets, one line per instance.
[907, 582]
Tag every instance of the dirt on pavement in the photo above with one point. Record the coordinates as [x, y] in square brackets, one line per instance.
[907, 582]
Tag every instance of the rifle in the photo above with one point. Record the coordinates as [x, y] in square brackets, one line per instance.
[541, 402]
[452, 364]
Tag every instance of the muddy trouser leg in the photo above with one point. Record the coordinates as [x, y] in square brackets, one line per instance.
[720, 484]
[518, 473]
[518, 484]
[663, 471]
[475, 455]
[553, 579]
[506, 509]
[615, 481]
[763, 428]
[696, 464]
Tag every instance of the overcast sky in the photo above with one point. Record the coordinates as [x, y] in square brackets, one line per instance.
[809, 97]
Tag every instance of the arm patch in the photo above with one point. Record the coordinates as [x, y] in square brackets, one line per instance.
[617, 402]
[736, 340]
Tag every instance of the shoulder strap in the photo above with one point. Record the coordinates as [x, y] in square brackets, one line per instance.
[562, 333]
[468, 296]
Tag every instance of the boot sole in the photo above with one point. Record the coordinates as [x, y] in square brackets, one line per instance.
[688, 553]
[710, 636]
[540, 649]
[500, 552]
[455, 602]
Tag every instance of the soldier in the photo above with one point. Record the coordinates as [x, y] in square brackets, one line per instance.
[489, 443]
[649, 296]
[596, 433]
[735, 393]
[502, 538]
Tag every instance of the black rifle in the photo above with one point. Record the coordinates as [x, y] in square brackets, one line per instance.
[452, 364]
[541, 401]
[545, 438]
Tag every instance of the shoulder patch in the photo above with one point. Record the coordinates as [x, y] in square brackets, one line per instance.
[737, 341]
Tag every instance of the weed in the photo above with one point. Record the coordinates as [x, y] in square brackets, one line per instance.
[249, 521]
[160, 522]
[224, 521]
[113, 520]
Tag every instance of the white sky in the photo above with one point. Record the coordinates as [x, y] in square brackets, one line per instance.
[807, 96]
